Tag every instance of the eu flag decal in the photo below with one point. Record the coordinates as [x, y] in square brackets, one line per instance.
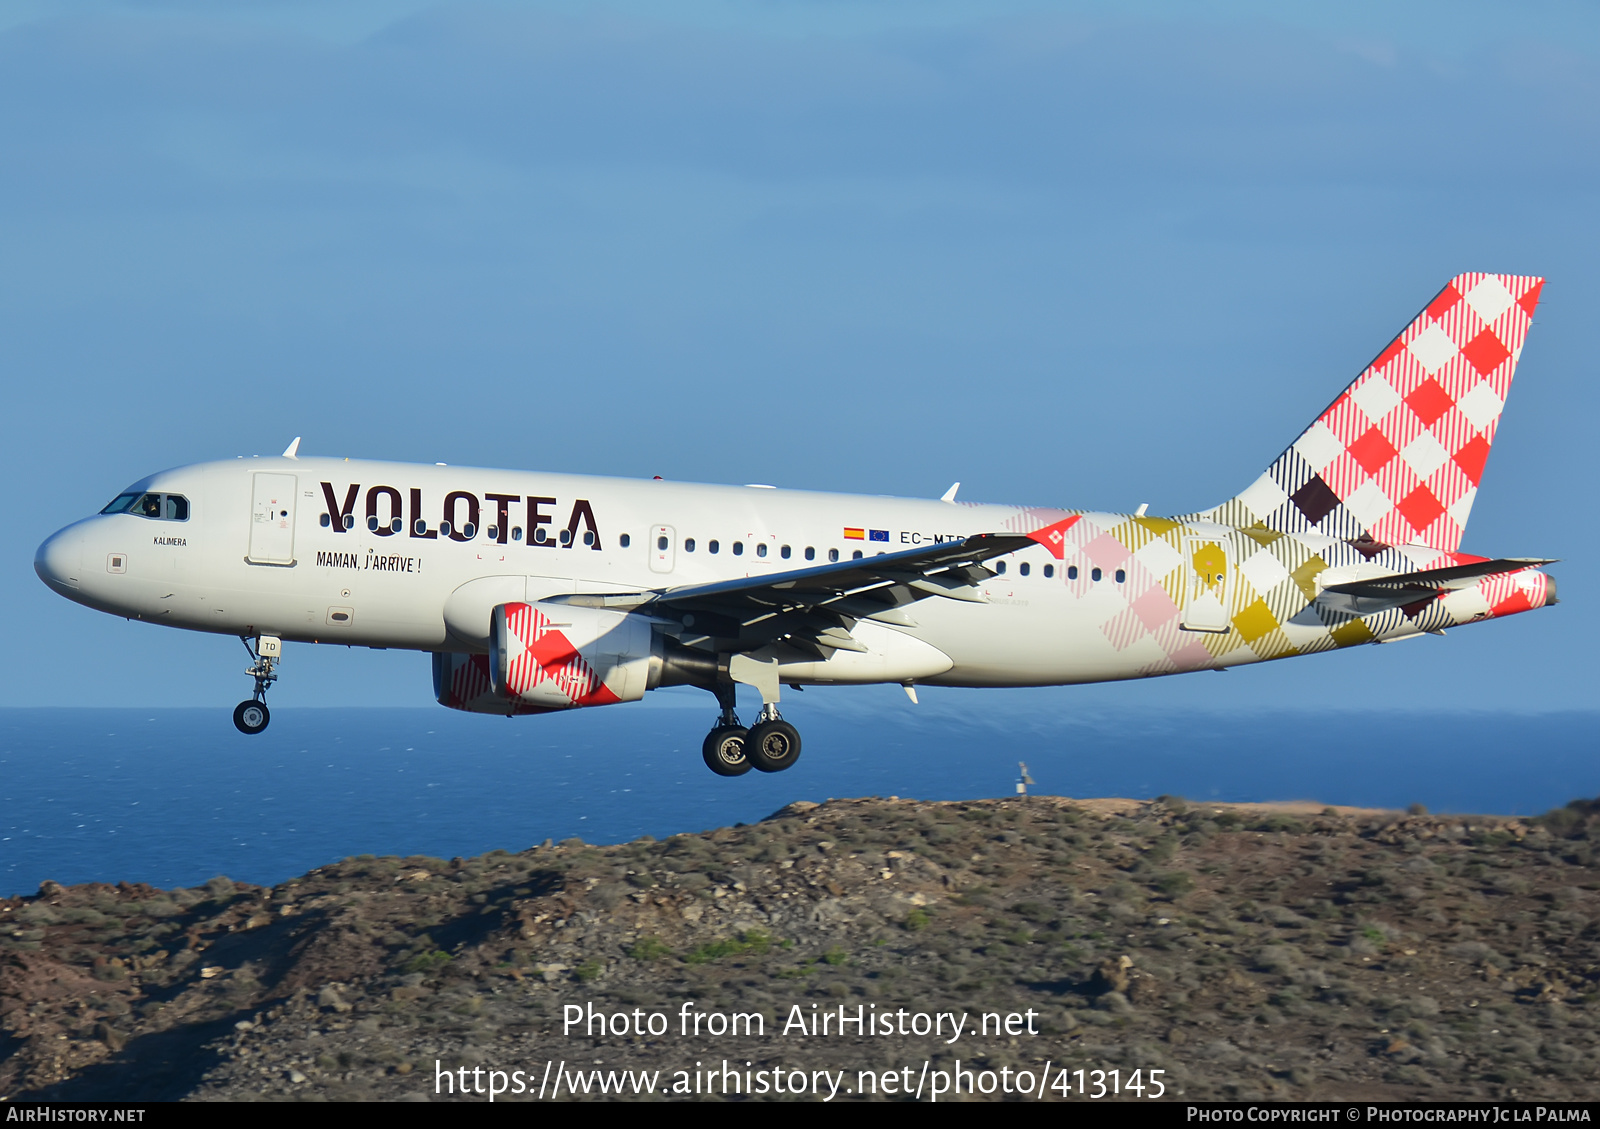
[877, 535]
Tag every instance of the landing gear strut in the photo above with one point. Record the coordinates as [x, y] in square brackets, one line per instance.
[252, 716]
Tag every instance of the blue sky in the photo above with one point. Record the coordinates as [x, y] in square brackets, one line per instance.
[1082, 255]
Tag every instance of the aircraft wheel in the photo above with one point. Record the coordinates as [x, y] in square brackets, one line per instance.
[724, 751]
[251, 717]
[773, 746]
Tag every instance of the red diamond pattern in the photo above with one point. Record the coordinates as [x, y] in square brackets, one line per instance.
[1421, 508]
[1429, 401]
[1471, 458]
[1485, 351]
[1373, 450]
[1530, 300]
[1444, 302]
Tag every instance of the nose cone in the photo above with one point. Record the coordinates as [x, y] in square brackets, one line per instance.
[59, 561]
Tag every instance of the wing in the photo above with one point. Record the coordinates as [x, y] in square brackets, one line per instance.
[814, 609]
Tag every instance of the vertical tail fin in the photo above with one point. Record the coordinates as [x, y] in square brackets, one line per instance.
[1398, 456]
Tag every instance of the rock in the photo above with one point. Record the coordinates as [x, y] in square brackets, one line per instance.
[110, 1036]
[1112, 975]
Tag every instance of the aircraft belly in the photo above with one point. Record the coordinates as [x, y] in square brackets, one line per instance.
[1041, 639]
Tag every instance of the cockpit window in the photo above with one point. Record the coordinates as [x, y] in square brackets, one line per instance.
[162, 507]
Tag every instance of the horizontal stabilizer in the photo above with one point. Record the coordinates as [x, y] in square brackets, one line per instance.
[1364, 597]
[1435, 580]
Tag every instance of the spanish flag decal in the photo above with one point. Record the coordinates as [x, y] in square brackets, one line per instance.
[852, 534]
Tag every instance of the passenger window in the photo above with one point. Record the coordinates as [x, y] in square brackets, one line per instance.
[1049, 571]
[566, 537]
[588, 537]
[712, 547]
[738, 548]
[761, 549]
[688, 544]
[811, 553]
[1023, 568]
[328, 521]
[624, 540]
[662, 543]
[856, 556]
[784, 552]
[833, 556]
[444, 528]
[493, 532]
[516, 534]
[1094, 574]
[372, 524]
[1121, 575]
[1072, 572]
[1000, 567]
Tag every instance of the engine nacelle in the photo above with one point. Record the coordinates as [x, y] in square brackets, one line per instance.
[560, 656]
[462, 683]
[552, 656]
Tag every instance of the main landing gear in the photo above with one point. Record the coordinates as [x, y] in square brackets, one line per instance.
[252, 716]
[770, 745]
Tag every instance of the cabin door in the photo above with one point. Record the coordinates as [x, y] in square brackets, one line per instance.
[272, 520]
[1208, 565]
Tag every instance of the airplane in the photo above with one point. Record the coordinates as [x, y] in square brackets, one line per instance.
[537, 592]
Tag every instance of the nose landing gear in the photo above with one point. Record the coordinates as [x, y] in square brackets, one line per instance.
[252, 716]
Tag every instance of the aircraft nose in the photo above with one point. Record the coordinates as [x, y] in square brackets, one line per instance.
[59, 561]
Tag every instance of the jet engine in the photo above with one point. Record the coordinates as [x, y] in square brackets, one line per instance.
[547, 656]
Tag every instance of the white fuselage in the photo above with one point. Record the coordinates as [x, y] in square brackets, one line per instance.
[381, 588]
[398, 555]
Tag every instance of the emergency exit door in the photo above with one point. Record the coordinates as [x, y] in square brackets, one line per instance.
[663, 548]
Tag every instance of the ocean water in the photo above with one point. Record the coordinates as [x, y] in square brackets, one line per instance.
[173, 797]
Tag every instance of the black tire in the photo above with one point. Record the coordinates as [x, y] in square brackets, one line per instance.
[251, 717]
[772, 746]
[724, 751]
